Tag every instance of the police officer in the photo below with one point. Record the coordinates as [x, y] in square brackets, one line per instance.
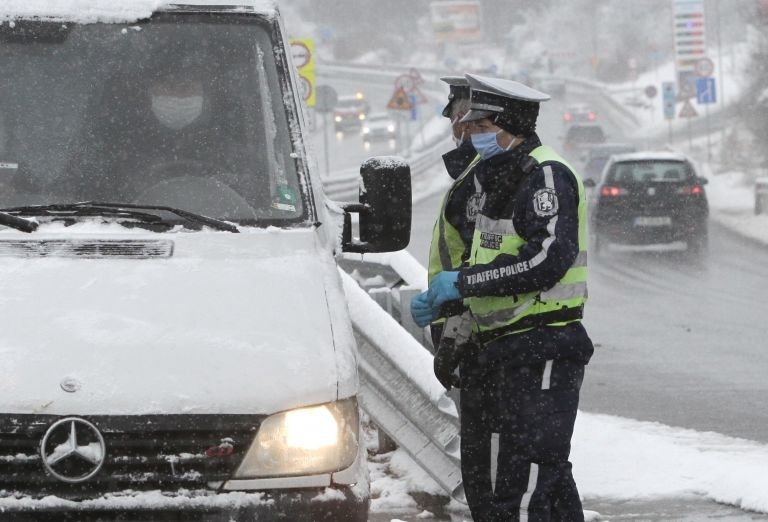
[525, 287]
[452, 233]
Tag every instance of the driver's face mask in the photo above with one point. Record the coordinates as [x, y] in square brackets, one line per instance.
[176, 112]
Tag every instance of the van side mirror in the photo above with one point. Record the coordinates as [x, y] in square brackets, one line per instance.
[384, 209]
[589, 182]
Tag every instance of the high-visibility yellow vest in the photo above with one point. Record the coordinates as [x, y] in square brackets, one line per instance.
[447, 247]
[561, 304]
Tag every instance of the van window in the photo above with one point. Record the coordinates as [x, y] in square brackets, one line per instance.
[188, 115]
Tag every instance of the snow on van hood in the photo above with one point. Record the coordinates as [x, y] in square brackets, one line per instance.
[111, 11]
[230, 323]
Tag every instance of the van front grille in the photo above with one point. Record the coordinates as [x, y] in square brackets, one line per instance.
[122, 249]
[152, 452]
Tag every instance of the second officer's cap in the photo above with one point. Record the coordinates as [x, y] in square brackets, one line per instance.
[458, 89]
[511, 105]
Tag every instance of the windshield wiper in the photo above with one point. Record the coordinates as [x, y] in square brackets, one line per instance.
[92, 208]
[25, 225]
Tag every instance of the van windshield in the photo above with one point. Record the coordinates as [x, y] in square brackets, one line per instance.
[183, 110]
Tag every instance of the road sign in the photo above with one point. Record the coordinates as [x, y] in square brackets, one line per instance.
[686, 86]
[326, 98]
[705, 91]
[303, 55]
[414, 107]
[704, 67]
[405, 82]
[670, 99]
[400, 101]
[688, 111]
[689, 38]
[306, 87]
[300, 52]
[409, 83]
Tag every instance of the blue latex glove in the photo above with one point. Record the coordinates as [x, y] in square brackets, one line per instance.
[421, 311]
[443, 288]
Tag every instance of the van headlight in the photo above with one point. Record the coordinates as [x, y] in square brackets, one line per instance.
[305, 441]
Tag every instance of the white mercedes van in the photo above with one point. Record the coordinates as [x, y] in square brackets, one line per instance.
[174, 339]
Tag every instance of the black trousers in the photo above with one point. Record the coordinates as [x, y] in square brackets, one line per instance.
[530, 410]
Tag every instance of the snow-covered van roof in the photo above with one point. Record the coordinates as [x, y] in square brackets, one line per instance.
[116, 11]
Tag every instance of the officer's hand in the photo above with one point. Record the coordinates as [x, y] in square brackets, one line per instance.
[422, 313]
[445, 363]
[443, 288]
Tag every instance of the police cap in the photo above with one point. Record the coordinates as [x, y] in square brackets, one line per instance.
[509, 104]
[458, 89]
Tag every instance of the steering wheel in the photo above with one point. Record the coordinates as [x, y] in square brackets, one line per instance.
[208, 195]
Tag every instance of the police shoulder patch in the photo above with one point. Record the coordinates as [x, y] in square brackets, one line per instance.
[545, 202]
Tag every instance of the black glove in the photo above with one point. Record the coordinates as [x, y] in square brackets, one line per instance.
[446, 361]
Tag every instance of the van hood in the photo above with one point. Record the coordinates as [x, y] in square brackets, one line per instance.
[204, 322]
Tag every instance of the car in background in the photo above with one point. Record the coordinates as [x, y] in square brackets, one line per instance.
[350, 112]
[379, 126]
[596, 156]
[580, 136]
[650, 198]
[552, 85]
[579, 113]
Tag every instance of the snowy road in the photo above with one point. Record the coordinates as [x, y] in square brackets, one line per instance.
[682, 343]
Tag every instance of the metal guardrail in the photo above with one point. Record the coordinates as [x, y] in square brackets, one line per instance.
[399, 391]
[343, 186]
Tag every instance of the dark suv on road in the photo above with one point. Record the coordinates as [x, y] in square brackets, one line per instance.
[579, 136]
[649, 198]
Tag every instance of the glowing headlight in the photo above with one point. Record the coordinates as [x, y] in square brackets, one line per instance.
[306, 441]
[366, 130]
[361, 117]
[391, 128]
[337, 119]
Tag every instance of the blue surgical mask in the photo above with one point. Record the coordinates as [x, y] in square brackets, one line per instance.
[486, 145]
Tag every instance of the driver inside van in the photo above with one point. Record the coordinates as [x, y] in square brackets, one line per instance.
[171, 122]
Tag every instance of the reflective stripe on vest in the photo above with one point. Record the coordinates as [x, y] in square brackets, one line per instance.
[568, 295]
[447, 247]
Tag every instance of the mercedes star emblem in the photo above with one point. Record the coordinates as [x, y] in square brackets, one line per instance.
[73, 450]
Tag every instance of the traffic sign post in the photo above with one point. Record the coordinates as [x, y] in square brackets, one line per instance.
[706, 95]
[303, 56]
[688, 112]
[704, 67]
[651, 91]
[326, 101]
[400, 101]
[705, 91]
[690, 39]
[669, 98]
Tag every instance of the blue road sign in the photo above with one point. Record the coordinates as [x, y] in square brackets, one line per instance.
[669, 98]
[414, 107]
[705, 91]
